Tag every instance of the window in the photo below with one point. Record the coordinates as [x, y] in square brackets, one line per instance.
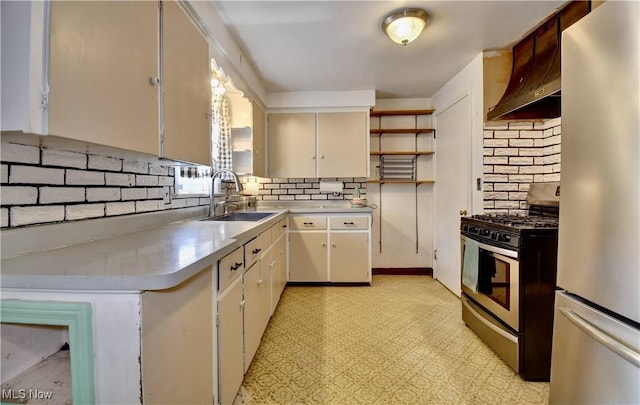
[193, 180]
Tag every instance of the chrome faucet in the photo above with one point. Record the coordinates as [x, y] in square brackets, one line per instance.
[236, 180]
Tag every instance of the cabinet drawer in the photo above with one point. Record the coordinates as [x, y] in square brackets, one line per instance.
[230, 267]
[307, 223]
[343, 223]
[278, 229]
[256, 247]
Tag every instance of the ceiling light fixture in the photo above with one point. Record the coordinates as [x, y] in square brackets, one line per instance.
[403, 26]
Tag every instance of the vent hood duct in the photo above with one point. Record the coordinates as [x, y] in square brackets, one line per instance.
[533, 91]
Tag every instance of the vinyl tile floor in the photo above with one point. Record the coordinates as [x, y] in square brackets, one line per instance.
[399, 341]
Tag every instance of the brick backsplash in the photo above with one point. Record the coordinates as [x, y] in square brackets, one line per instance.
[305, 189]
[44, 185]
[517, 154]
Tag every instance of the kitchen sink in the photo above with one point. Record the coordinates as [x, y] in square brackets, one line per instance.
[240, 216]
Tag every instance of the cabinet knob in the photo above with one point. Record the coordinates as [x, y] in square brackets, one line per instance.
[322, 157]
[154, 81]
[463, 212]
[313, 156]
[324, 244]
[333, 244]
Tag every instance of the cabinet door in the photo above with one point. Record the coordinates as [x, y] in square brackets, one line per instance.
[308, 256]
[342, 144]
[252, 313]
[259, 153]
[230, 343]
[186, 87]
[349, 257]
[278, 271]
[292, 144]
[102, 55]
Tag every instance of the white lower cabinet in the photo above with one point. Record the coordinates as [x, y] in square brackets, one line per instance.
[349, 253]
[245, 304]
[278, 270]
[257, 309]
[230, 333]
[333, 249]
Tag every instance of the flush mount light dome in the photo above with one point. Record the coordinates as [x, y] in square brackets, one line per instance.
[403, 26]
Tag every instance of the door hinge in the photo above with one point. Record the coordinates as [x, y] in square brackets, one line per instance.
[44, 102]
[435, 255]
[217, 319]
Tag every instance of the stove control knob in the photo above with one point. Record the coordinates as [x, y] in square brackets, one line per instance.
[486, 232]
[494, 235]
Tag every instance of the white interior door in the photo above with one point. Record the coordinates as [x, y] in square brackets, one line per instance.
[453, 182]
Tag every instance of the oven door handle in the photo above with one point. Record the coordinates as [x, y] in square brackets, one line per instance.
[508, 336]
[505, 252]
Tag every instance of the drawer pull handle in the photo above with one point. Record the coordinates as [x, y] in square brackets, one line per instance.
[256, 251]
[349, 223]
[308, 223]
[235, 266]
[284, 226]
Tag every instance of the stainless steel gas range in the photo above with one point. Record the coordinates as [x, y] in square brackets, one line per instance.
[509, 278]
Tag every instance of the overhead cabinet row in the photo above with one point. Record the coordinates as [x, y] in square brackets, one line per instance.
[130, 75]
[137, 76]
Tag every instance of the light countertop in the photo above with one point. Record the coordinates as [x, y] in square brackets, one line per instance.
[155, 258]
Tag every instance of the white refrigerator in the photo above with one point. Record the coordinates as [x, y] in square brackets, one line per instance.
[596, 336]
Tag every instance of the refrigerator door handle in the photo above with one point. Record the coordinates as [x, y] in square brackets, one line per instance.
[618, 348]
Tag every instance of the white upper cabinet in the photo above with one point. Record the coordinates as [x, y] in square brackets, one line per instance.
[102, 56]
[322, 144]
[292, 144]
[342, 144]
[89, 71]
[186, 84]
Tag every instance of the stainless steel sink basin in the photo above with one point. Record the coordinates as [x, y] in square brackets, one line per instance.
[240, 216]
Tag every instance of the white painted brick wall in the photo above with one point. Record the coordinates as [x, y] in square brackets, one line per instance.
[11, 152]
[19, 195]
[82, 177]
[20, 216]
[35, 175]
[531, 154]
[120, 179]
[104, 163]
[84, 211]
[63, 158]
[146, 206]
[134, 194]
[45, 185]
[135, 167]
[143, 180]
[110, 187]
[51, 195]
[120, 208]
[4, 217]
[103, 194]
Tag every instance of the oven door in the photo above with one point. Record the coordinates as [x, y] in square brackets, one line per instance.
[498, 281]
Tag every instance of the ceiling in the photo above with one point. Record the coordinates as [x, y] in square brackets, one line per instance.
[339, 45]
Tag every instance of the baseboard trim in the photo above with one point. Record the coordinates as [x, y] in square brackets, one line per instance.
[413, 271]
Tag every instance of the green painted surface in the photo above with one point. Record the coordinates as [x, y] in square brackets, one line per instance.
[77, 317]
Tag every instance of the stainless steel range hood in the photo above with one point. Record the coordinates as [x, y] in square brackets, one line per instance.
[533, 91]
